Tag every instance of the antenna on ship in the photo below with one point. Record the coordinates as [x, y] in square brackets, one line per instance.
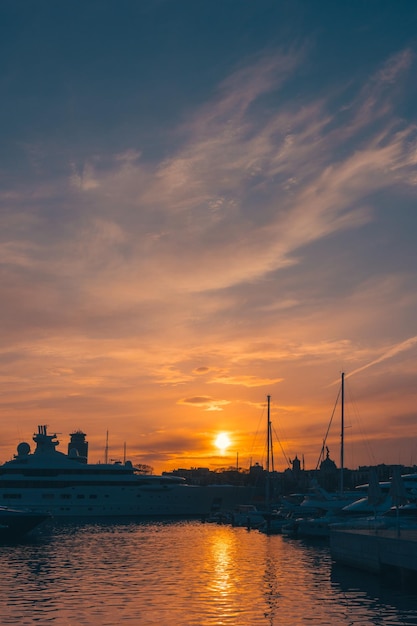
[106, 449]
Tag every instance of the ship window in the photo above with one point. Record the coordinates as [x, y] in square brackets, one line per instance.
[65, 496]
[12, 496]
[48, 496]
[80, 496]
[93, 496]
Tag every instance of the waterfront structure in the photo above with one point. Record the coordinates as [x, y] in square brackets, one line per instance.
[378, 551]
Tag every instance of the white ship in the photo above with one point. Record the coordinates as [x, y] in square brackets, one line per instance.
[62, 485]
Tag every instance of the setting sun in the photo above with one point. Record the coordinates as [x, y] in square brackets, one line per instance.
[222, 441]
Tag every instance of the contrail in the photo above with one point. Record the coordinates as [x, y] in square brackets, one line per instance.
[401, 347]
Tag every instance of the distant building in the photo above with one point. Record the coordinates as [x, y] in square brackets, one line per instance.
[195, 475]
[328, 475]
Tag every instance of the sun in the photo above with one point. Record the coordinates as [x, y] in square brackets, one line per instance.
[222, 441]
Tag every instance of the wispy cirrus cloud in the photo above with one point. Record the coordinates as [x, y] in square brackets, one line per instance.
[249, 185]
[212, 264]
[290, 164]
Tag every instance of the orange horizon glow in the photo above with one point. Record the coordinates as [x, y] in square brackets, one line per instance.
[181, 239]
[297, 431]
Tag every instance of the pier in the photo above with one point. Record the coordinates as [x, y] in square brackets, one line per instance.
[384, 551]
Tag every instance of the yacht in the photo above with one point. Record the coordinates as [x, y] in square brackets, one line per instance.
[16, 523]
[49, 481]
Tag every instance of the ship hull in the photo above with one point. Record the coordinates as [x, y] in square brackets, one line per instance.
[164, 501]
[15, 523]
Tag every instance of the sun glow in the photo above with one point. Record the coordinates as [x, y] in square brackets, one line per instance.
[222, 441]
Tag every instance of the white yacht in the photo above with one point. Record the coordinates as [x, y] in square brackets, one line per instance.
[62, 485]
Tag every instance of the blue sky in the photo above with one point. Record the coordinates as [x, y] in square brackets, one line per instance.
[203, 203]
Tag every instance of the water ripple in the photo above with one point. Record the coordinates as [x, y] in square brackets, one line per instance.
[187, 573]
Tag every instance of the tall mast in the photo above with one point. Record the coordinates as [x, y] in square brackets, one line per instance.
[268, 452]
[342, 433]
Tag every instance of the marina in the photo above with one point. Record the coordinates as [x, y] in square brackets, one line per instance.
[110, 543]
[250, 565]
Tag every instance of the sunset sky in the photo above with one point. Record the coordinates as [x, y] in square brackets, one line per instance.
[204, 202]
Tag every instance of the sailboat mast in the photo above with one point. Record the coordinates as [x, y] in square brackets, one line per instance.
[268, 452]
[342, 434]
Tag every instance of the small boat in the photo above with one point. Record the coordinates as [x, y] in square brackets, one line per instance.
[275, 522]
[16, 523]
[371, 512]
[247, 515]
[318, 500]
[220, 517]
[291, 528]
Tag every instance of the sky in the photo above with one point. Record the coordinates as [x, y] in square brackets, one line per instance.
[203, 203]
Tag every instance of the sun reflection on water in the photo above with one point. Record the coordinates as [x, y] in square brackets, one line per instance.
[221, 556]
[187, 573]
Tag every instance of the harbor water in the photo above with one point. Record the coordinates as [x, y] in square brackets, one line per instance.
[187, 573]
